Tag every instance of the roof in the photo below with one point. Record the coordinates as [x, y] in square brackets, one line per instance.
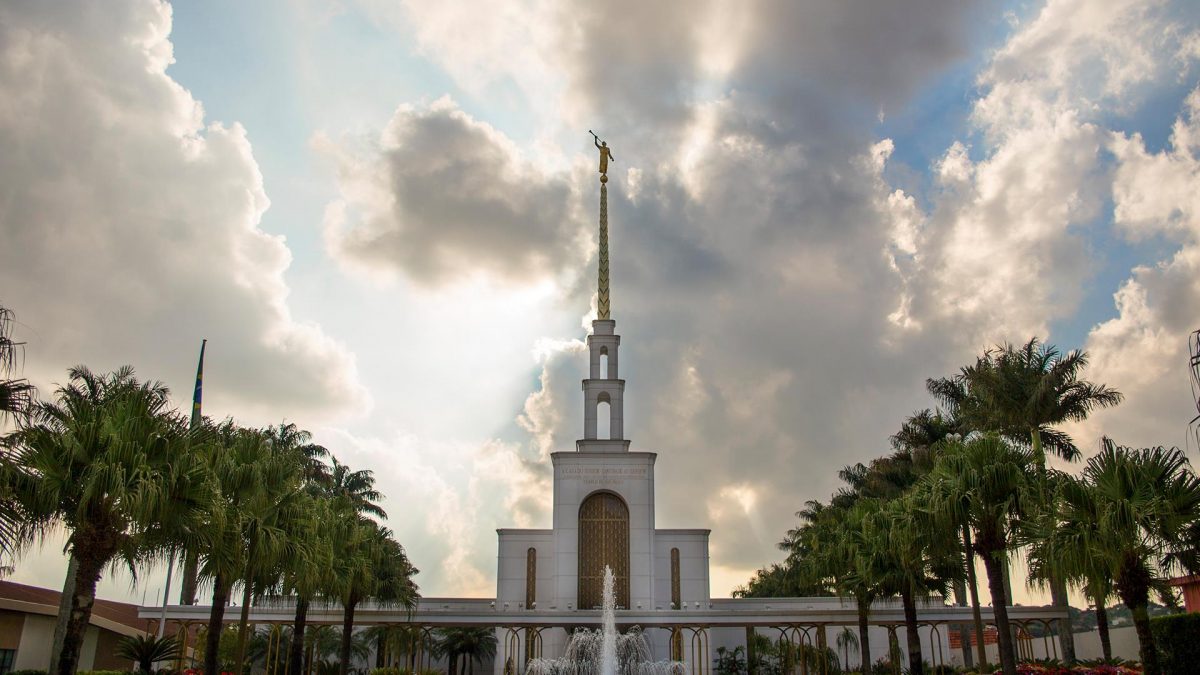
[119, 617]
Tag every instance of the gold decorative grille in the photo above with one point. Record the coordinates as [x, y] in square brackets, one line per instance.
[675, 595]
[603, 540]
[530, 577]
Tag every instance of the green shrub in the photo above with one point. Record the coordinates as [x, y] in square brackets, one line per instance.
[1177, 637]
[27, 672]
[105, 672]
[390, 671]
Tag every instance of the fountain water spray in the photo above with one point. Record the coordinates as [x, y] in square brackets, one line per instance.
[605, 651]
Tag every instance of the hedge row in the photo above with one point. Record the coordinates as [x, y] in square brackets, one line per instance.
[1177, 637]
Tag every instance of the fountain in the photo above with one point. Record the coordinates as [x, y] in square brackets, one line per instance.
[605, 651]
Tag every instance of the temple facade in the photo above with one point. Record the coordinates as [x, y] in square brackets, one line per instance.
[603, 506]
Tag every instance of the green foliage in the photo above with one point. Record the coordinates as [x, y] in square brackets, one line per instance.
[146, 650]
[1178, 640]
[730, 662]
[474, 645]
[776, 658]
[106, 672]
[328, 667]
[390, 671]
[27, 672]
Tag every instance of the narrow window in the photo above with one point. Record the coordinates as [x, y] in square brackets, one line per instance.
[604, 363]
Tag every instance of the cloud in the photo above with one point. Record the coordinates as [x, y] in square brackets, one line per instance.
[131, 229]
[446, 499]
[781, 301]
[441, 196]
[1143, 350]
[781, 298]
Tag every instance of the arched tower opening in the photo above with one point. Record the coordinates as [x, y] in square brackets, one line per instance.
[604, 416]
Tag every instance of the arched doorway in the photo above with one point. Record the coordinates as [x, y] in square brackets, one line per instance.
[603, 540]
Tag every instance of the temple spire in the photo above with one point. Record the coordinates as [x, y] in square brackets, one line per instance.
[603, 389]
[603, 306]
[603, 303]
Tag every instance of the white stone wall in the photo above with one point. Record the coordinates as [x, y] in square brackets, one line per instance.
[511, 565]
[693, 566]
[629, 475]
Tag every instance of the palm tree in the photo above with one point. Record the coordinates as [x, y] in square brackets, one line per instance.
[1134, 509]
[847, 640]
[369, 564]
[914, 559]
[921, 436]
[472, 644]
[289, 438]
[1077, 558]
[146, 650]
[984, 482]
[308, 578]
[274, 517]
[16, 398]
[357, 487]
[251, 527]
[16, 395]
[834, 550]
[1023, 393]
[105, 461]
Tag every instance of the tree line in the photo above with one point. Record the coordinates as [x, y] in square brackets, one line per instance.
[970, 480]
[133, 482]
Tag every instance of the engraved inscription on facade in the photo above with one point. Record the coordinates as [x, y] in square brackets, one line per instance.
[602, 475]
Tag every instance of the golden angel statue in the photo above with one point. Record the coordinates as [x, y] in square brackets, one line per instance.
[605, 154]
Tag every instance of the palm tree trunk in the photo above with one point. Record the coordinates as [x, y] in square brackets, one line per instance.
[1146, 648]
[973, 588]
[243, 627]
[380, 649]
[1058, 584]
[911, 637]
[191, 567]
[751, 651]
[216, 616]
[347, 633]
[244, 619]
[92, 559]
[1133, 585]
[1066, 637]
[960, 600]
[864, 635]
[1102, 628]
[823, 647]
[64, 612]
[296, 648]
[452, 667]
[994, 565]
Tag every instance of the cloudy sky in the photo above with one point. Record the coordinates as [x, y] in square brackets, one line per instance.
[381, 215]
